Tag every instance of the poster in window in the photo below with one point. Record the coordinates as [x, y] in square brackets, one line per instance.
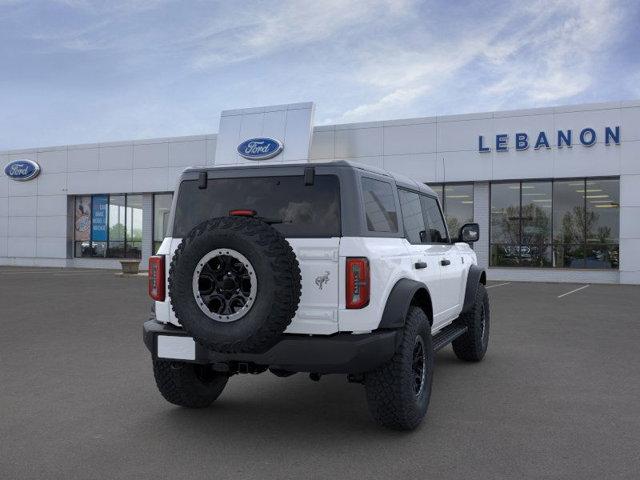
[83, 219]
[99, 218]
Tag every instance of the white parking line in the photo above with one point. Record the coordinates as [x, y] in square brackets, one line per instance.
[573, 291]
[498, 285]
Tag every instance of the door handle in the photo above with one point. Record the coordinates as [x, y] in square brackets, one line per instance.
[420, 265]
[444, 262]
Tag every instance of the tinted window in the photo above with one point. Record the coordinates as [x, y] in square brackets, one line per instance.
[302, 210]
[380, 206]
[412, 217]
[535, 250]
[436, 231]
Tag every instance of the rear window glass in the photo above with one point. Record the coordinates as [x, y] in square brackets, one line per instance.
[300, 210]
[379, 206]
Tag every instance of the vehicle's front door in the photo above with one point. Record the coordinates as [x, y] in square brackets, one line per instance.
[450, 261]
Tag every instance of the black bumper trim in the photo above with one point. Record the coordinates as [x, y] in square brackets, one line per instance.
[338, 353]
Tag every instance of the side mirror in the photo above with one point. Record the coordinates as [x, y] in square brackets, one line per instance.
[469, 233]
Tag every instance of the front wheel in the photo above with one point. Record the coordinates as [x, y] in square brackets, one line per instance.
[187, 384]
[472, 345]
[398, 392]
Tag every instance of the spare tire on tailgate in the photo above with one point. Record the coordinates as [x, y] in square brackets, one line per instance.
[234, 284]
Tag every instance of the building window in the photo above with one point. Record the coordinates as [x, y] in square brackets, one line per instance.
[564, 224]
[161, 210]
[457, 204]
[108, 226]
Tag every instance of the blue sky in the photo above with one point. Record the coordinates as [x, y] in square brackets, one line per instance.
[76, 71]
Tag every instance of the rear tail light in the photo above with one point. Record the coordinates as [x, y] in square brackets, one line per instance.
[358, 282]
[156, 278]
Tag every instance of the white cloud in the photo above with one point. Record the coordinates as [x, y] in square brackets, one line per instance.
[254, 33]
[543, 52]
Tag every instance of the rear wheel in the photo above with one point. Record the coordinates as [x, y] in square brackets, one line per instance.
[187, 384]
[398, 392]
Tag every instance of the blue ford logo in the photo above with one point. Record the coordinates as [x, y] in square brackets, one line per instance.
[260, 148]
[22, 170]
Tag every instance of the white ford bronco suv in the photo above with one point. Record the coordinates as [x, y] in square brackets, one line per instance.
[319, 268]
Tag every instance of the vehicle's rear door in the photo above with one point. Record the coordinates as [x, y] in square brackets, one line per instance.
[425, 258]
[318, 308]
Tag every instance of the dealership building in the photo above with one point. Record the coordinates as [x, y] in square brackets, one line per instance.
[556, 190]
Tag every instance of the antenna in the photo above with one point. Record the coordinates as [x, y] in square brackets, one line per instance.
[444, 171]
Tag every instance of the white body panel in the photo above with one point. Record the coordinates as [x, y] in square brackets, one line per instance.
[323, 262]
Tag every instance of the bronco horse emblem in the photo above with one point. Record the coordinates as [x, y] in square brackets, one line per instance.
[322, 279]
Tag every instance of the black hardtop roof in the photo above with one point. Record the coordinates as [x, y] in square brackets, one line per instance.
[400, 180]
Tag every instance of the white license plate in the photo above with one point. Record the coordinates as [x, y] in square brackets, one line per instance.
[178, 348]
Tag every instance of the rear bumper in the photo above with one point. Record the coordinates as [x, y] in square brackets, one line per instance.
[339, 353]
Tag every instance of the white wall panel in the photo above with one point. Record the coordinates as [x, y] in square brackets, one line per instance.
[297, 135]
[84, 182]
[359, 142]
[228, 140]
[52, 183]
[21, 246]
[322, 145]
[51, 247]
[630, 250]
[419, 166]
[188, 154]
[4, 206]
[630, 157]
[4, 226]
[118, 157]
[51, 205]
[420, 138]
[463, 166]
[463, 135]
[151, 155]
[581, 161]
[83, 159]
[22, 227]
[630, 191]
[52, 226]
[22, 189]
[630, 124]
[629, 222]
[52, 161]
[149, 180]
[4, 184]
[3, 248]
[22, 206]
[115, 181]
[528, 163]
[211, 150]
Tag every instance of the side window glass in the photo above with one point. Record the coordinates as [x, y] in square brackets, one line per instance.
[436, 231]
[412, 217]
[379, 205]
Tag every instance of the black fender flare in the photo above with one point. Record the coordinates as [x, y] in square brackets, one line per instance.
[476, 276]
[399, 301]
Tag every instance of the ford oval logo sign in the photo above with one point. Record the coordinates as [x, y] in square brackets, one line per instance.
[22, 170]
[260, 148]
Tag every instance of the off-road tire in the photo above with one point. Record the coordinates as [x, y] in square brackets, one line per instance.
[187, 384]
[278, 282]
[391, 397]
[472, 345]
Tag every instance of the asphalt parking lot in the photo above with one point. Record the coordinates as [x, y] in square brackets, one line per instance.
[558, 395]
